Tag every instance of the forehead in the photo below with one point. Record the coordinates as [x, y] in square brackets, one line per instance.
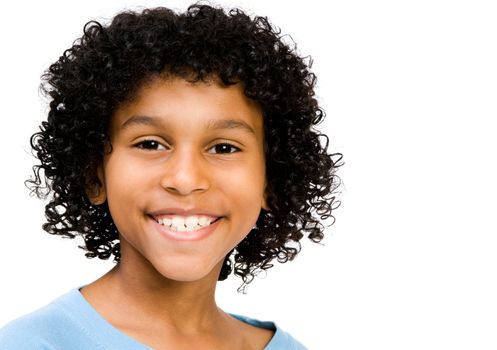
[171, 100]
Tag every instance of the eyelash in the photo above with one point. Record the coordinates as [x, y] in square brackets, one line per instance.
[155, 144]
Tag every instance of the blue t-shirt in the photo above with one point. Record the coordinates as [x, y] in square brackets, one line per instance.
[70, 322]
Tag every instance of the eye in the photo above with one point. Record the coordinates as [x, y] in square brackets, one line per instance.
[150, 145]
[225, 148]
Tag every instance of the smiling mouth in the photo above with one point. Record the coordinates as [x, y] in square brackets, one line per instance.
[185, 224]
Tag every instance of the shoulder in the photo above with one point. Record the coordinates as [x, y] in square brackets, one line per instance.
[47, 328]
[32, 331]
[281, 340]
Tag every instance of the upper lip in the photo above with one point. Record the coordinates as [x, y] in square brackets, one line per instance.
[184, 212]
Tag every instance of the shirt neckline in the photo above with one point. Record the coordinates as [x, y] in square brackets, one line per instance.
[98, 326]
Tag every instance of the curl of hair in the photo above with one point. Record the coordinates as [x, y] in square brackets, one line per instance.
[106, 66]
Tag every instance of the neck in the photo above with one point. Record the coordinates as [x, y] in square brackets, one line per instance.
[136, 288]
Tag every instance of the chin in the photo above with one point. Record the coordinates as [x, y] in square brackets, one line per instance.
[187, 272]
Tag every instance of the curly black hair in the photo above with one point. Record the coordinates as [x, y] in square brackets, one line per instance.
[106, 66]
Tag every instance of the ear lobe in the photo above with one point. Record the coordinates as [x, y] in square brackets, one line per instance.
[98, 195]
[265, 206]
[264, 199]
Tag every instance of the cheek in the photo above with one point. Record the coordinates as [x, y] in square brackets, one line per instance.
[124, 176]
[245, 190]
[125, 186]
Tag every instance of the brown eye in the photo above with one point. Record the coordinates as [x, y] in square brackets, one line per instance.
[224, 148]
[149, 145]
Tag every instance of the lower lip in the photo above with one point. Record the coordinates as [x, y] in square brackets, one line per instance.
[186, 236]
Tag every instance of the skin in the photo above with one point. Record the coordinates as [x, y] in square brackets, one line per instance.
[173, 159]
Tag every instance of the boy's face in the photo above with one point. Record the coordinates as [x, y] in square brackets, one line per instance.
[195, 147]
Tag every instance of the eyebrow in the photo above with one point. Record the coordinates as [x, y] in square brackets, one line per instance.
[220, 124]
[214, 124]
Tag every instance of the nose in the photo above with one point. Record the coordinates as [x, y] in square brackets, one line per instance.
[185, 172]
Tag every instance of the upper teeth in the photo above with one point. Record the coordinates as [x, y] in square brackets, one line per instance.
[188, 222]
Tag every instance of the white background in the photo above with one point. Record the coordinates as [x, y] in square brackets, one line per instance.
[410, 91]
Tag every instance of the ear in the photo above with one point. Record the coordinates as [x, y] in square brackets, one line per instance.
[98, 195]
[264, 199]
